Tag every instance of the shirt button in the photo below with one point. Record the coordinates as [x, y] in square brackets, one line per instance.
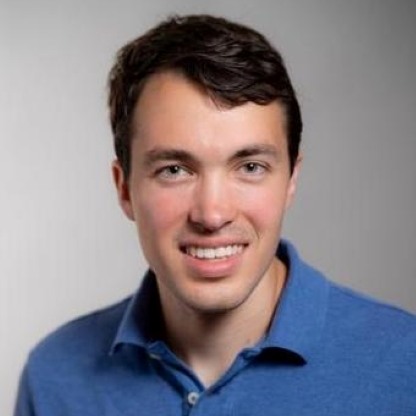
[193, 397]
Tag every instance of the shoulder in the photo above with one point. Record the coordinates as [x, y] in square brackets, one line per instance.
[62, 369]
[352, 311]
[369, 326]
[375, 340]
[78, 341]
[351, 321]
[357, 308]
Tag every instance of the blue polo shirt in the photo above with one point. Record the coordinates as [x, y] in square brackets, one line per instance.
[329, 351]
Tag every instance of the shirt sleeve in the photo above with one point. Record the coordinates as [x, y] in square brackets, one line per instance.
[24, 401]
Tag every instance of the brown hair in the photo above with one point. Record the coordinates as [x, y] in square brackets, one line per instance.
[233, 63]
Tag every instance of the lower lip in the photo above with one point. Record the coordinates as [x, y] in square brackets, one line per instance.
[213, 268]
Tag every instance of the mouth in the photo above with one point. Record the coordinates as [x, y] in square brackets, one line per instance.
[213, 253]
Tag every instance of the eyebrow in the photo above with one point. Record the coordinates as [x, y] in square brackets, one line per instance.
[158, 154]
[257, 150]
[166, 154]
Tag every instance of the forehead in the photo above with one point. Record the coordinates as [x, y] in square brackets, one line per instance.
[172, 111]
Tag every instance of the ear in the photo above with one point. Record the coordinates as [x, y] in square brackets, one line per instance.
[293, 182]
[122, 188]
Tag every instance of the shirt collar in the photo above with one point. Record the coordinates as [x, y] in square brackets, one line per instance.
[300, 314]
[296, 325]
[141, 320]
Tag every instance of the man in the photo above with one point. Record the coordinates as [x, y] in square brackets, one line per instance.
[228, 320]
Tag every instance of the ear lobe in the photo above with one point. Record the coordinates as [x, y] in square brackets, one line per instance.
[122, 187]
[293, 182]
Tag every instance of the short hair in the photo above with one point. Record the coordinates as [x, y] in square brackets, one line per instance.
[232, 63]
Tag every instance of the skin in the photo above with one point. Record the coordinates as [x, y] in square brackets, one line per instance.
[205, 176]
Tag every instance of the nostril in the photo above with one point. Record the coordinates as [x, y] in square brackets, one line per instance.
[208, 227]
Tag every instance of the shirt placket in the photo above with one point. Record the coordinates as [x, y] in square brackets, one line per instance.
[195, 398]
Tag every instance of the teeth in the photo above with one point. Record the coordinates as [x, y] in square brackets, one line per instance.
[214, 253]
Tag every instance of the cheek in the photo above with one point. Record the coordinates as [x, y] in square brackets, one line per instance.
[264, 208]
[160, 211]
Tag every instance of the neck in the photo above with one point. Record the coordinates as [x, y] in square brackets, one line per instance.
[209, 342]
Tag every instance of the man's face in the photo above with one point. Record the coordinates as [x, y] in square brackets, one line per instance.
[208, 190]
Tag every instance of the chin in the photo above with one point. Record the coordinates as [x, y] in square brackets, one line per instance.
[214, 309]
[215, 304]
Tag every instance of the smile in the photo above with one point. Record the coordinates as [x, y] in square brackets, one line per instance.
[214, 252]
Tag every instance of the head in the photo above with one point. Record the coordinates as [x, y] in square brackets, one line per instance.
[232, 63]
[207, 131]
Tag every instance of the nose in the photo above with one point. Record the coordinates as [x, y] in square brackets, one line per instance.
[213, 205]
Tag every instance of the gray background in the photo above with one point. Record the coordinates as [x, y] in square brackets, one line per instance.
[65, 248]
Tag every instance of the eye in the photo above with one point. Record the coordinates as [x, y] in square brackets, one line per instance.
[172, 172]
[253, 168]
